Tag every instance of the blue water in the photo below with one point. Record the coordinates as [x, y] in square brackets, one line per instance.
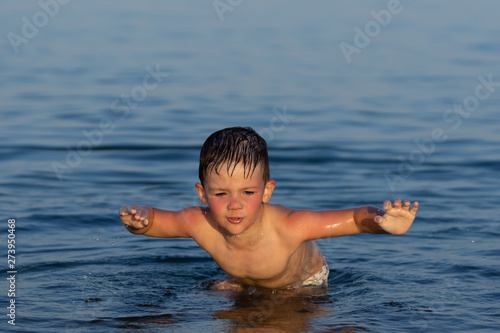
[85, 131]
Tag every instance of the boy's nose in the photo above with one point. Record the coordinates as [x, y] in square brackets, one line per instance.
[234, 203]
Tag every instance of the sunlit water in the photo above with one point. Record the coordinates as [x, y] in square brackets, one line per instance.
[107, 104]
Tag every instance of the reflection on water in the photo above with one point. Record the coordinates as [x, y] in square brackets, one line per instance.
[253, 310]
[283, 310]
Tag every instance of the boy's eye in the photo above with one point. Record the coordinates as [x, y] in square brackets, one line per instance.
[249, 192]
[220, 194]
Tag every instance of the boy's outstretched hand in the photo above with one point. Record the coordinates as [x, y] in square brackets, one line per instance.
[135, 216]
[398, 218]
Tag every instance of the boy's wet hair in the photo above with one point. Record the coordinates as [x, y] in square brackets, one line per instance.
[234, 145]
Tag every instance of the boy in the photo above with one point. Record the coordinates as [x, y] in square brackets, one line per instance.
[257, 243]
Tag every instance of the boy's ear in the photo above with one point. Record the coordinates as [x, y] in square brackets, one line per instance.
[268, 190]
[201, 193]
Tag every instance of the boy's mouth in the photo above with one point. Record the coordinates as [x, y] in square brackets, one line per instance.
[235, 220]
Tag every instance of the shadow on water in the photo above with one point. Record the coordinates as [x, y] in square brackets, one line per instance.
[284, 310]
[253, 310]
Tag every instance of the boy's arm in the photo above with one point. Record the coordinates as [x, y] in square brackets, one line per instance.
[396, 219]
[154, 222]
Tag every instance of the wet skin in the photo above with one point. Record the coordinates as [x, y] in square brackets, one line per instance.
[258, 243]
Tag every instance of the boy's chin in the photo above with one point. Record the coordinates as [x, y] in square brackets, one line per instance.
[232, 232]
[235, 229]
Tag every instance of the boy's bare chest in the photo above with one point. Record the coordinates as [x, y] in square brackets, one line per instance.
[259, 262]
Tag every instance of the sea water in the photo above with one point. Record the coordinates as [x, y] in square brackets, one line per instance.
[106, 104]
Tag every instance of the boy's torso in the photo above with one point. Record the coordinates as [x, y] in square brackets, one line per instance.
[275, 261]
[271, 268]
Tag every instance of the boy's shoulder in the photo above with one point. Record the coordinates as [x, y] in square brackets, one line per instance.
[288, 223]
[278, 214]
[194, 213]
[276, 209]
[286, 212]
[289, 218]
[196, 220]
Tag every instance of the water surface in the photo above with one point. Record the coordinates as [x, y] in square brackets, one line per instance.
[85, 131]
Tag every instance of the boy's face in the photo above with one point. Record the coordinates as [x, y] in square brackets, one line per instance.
[235, 201]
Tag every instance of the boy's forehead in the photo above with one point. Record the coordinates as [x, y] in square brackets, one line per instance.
[238, 171]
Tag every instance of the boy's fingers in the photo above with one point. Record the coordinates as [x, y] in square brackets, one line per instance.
[141, 213]
[143, 223]
[414, 209]
[138, 214]
[124, 211]
[387, 205]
